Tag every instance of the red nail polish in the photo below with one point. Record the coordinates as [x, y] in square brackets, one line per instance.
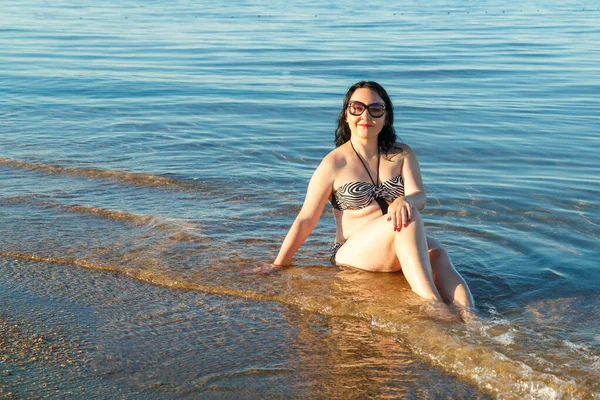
[389, 218]
[405, 225]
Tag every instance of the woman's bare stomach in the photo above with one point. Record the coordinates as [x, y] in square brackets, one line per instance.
[350, 221]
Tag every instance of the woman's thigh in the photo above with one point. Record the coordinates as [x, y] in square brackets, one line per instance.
[371, 248]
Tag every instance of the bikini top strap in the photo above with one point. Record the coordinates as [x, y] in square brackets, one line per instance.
[382, 203]
[365, 165]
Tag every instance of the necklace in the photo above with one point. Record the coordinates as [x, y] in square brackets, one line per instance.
[365, 165]
[376, 190]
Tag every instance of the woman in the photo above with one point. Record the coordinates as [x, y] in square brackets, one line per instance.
[375, 187]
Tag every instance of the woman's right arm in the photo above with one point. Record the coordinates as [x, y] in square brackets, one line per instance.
[319, 190]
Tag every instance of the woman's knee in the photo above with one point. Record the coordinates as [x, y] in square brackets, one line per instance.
[437, 250]
[416, 221]
[438, 253]
[440, 261]
[415, 216]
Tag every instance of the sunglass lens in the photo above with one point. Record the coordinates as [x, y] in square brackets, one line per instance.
[376, 110]
[356, 108]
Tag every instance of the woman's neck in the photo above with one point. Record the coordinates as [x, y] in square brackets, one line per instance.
[366, 148]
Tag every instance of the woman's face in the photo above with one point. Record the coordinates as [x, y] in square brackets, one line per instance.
[370, 122]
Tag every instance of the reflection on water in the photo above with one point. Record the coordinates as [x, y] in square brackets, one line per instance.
[100, 335]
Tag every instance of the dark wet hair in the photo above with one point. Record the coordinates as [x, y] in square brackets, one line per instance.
[387, 137]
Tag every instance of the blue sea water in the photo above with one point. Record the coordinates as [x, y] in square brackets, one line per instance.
[152, 151]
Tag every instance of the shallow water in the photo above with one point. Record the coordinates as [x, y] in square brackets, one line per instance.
[151, 152]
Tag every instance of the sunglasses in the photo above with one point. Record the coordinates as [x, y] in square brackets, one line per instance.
[376, 110]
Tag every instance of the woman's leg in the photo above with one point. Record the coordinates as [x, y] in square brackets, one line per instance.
[448, 281]
[377, 247]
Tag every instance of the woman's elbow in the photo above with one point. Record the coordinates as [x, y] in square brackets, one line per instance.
[419, 202]
[305, 222]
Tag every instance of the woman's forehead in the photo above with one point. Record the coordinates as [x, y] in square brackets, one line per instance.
[365, 94]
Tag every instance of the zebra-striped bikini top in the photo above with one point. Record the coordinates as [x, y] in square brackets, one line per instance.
[357, 195]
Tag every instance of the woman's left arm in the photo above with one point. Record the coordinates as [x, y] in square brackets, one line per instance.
[319, 190]
[401, 210]
[413, 182]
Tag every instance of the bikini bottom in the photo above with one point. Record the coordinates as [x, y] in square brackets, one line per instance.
[334, 249]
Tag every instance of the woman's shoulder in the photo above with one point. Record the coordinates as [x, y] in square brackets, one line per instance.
[336, 158]
[401, 148]
[398, 152]
[330, 165]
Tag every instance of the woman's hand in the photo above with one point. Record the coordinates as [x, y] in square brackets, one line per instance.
[263, 269]
[400, 213]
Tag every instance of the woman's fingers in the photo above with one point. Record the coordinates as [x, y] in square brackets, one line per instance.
[392, 217]
[398, 226]
[263, 269]
[404, 220]
[401, 217]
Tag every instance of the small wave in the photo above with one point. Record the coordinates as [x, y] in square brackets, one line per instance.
[135, 178]
[17, 199]
[506, 338]
[152, 277]
[178, 229]
[204, 189]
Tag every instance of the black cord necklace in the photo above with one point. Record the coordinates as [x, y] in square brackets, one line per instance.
[380, 200]
[365, 165]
